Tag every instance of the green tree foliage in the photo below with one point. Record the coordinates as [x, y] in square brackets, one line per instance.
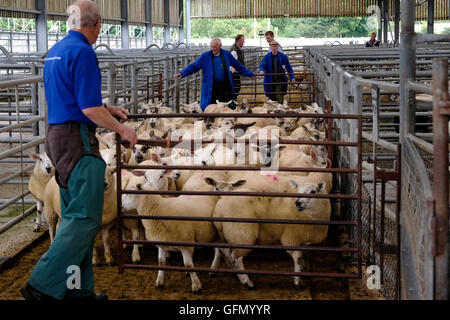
[287, 27]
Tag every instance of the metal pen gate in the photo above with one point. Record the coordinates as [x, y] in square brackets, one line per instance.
[356, 197]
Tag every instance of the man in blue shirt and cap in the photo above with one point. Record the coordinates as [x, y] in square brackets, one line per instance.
[72, 83]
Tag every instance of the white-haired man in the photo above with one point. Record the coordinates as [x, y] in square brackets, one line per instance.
[72, 83]
[217, 81]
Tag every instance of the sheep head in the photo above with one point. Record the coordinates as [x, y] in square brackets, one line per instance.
[303, 203]
[224, 186]
[44, 163]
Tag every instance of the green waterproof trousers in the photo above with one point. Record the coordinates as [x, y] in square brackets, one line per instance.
[72, 248]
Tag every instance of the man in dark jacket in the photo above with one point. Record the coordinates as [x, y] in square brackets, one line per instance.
[373, 42]
[72, 83]
[217, 81]
[273, 67]
[237, 53]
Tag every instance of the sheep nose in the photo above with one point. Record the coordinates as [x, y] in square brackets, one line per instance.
[48, 169]
[300, 205]
[204, 163]
[139, 158]
[153, 125]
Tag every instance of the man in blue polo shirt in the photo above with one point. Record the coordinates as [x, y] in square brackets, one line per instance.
[217, 81]
[72, 83]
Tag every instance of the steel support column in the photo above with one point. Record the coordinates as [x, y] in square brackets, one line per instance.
[166, 21]
[385, 16]
[149, 26]
[188, 21]
[397, 20]
[407, 121]
[430, 18]
[41, 26]
[124, 24]
[380, 18]
[407, 67]
[181, 20]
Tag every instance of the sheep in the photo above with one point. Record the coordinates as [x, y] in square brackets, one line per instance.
[109, 156]
[42, 173]
[307, 132]
[193, 107]
[173, 231]
[296, 158]
[271, 234]
[318, 123]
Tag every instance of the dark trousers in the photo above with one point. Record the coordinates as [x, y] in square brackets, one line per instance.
[237, 83]
[222, 92]
[278, 90]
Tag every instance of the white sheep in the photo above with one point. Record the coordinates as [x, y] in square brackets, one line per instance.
[42, 173]
[173, 231]
[272, 234]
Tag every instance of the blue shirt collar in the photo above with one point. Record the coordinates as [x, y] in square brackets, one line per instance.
[79, 35]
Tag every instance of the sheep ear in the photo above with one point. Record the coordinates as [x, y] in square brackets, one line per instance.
[138, 173]
[34, 156]
[313, 155]
[328, 163]
[156, 158]
[293, 184]
[281, 148]
[239, 183]
[210, 181]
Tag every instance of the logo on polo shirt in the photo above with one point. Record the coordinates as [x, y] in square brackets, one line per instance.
[53, 58]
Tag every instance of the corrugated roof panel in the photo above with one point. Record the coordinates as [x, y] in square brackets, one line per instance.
[301, 8]
[18, 4]
[109, 8]
[136, 10]
[158, 12]
[174, 12]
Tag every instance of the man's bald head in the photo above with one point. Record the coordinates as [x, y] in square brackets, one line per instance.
[83, 14]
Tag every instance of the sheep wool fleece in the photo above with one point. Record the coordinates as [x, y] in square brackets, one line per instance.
[71, 252]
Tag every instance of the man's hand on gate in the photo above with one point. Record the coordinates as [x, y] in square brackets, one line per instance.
[118, 112]
[130, 135]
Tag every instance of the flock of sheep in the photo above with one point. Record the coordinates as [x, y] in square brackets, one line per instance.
[235, 141]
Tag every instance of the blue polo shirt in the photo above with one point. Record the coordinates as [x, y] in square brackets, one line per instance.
[219, 71]
[72, 80]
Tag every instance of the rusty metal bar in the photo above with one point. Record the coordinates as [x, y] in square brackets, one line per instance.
[245, 115]
[120, 257]
[241, 220]
[241, 246]
[240, 168]
[240, 194]
[246, 271]
[440, 177]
